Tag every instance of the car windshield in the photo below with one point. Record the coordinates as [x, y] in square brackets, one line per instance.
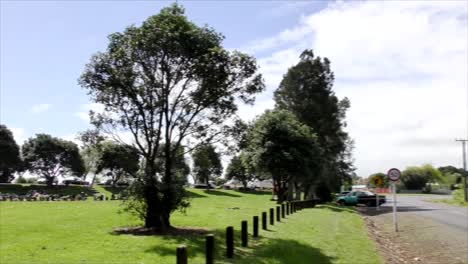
[368, 193]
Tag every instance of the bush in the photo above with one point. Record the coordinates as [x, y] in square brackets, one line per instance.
[23, 180]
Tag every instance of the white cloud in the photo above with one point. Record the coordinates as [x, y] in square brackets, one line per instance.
[18, 134]
[83, 114]
[402, 64]
[39, 108]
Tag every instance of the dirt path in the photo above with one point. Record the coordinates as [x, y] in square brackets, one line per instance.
[419, 240]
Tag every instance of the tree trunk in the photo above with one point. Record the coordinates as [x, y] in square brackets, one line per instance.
[49, 180]
[155, 216]
[290, 190]
[5, 176]
[282, 191]
[297, 191]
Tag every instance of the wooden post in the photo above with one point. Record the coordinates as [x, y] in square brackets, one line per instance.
[264, 220]
[255, 226]
[209, 249]
[283, 214]
[278, 216]
[182, 254]
[244, 234]
[229, 242]
[272, 216]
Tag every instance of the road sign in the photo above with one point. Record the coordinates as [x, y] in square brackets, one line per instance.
[394, 174]
[377, 181]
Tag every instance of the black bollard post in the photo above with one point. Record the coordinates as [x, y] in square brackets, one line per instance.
[264, 220]
[272, 216]
[229, 242]
[182, 254]
[278, 216]
[244, 234]
[255, 226]
[209, 246]
[283, 214]
[287, 208]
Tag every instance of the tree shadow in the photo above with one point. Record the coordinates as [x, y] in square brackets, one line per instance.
[192, 194]
[372, 211]
[286, 251]
[220, 193]
[114, 189]
[336, 208]
[256, 192]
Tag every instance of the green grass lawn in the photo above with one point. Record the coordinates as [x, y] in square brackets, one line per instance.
[457, 199]
[81, 232]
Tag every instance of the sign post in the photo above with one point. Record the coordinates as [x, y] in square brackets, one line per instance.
[393, 175]
[377, 181]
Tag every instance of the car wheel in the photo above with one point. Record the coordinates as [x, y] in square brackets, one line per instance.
[341, 203]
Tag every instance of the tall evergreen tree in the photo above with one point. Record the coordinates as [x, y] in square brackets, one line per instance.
[306, 91]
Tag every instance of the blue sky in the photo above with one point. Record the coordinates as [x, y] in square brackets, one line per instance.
[45, 44]
[402, 64]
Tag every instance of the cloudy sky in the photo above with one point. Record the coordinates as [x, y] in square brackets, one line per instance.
[402, 64]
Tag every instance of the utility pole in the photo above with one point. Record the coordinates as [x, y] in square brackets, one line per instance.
[465, 190]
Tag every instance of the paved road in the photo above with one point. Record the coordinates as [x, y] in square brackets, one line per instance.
[455, 217]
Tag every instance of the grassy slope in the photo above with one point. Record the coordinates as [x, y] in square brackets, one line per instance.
[457, 199]
[80, 232]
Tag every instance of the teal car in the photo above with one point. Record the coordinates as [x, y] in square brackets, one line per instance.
[359, 197]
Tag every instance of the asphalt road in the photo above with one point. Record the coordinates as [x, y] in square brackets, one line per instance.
[452, 216]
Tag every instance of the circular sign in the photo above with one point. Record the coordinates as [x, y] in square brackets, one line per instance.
[394, 174]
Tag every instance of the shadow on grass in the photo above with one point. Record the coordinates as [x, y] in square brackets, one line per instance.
[285, 251]
[114, 189]
[337, 208]
[372, 211]
[220, 193]
[256, 192]
[194, 194]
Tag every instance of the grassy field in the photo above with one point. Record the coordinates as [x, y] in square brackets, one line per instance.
[81, 232]
[457, 199]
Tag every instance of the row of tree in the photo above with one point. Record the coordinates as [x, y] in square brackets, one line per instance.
[174, 87]
[417, 177]
[50, 157]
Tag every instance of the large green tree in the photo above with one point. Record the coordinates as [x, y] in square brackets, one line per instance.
[117, 161]
[50, 157]
[206, 164]
[416, 178]
[10, 160]
[306, 90]
[165, 82]
[237, 170]
[91, 151]
[279, 145]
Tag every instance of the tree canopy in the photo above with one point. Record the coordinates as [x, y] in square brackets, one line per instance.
[10, 159]
[279, 145]
[169, 83]
[50, 157]
[306, 91]
[206, 164]
[118, 161]
[416, 178]
[237, 170]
